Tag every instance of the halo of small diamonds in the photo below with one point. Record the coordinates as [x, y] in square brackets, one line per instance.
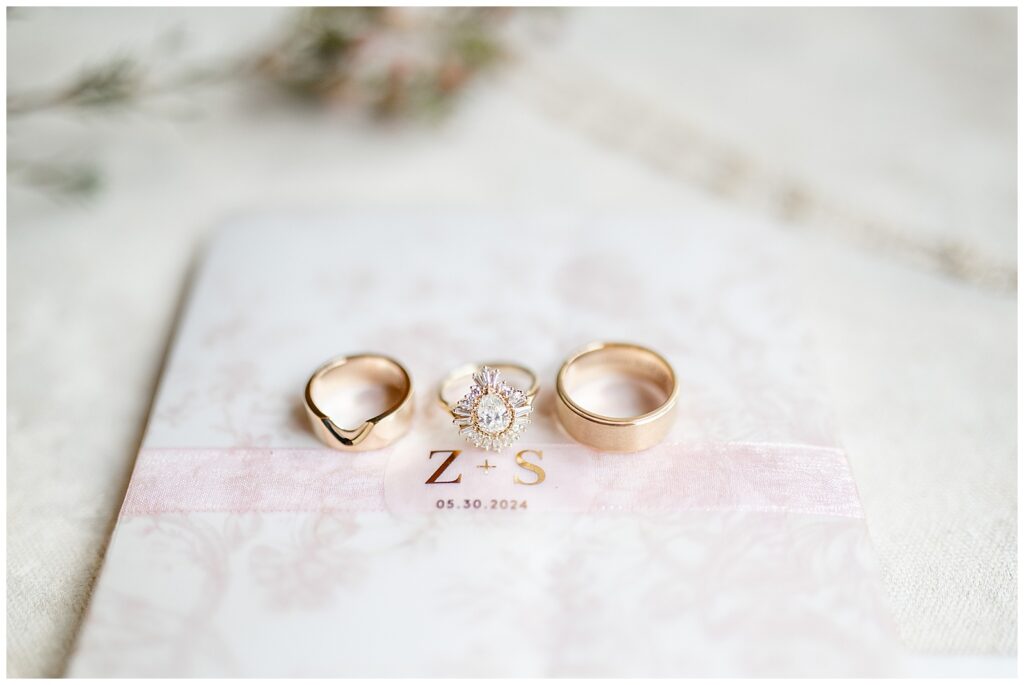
[493, 414]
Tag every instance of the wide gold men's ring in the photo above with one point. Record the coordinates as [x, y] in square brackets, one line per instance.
[614, 433]
[493, 412]
[369, 392]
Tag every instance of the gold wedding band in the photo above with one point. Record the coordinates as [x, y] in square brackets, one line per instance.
[493, 413]
[616, 434]
[382, 375]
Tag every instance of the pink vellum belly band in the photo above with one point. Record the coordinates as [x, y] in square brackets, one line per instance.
[733, 476]
[253, 479]
[681, 477]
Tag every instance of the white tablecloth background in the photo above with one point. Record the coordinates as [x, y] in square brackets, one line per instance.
[905, 117]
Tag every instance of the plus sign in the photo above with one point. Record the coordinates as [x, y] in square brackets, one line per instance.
[486, 466]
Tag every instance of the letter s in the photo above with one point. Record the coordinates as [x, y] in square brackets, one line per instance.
[530, 467]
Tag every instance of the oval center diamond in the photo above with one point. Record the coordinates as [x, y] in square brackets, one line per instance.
[492, 414]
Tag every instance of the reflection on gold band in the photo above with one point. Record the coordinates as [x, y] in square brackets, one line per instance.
[616, 434]
[373, 433]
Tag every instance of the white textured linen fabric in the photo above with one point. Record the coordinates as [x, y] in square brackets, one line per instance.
[864, 107]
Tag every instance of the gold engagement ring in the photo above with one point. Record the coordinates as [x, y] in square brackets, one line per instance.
[493, 413]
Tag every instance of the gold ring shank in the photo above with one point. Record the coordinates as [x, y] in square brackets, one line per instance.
[366, 369]
[616, 434]
[467, 371]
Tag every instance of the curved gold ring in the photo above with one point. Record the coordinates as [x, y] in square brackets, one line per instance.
[373, 433]
[616, 434]
[494, 413]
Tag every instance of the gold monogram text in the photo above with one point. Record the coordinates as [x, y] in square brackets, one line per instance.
[535, 469]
